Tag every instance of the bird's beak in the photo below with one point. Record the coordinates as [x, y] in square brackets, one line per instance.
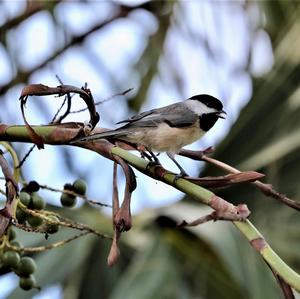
[221, 114]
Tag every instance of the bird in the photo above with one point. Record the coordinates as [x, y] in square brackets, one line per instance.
[167, 129]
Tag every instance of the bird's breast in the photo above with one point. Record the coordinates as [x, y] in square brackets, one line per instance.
[165, 138]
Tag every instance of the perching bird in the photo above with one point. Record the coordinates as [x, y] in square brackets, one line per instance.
[169, 128]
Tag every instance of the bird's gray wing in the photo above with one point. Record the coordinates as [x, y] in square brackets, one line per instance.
[136, 117]
[175, 115]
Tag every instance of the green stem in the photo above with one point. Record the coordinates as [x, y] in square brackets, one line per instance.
[204, 196]
[14, 157]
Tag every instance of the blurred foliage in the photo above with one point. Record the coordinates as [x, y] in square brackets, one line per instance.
[213, 260]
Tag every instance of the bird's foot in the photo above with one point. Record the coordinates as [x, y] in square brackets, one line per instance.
[153, 164]
[180, 175]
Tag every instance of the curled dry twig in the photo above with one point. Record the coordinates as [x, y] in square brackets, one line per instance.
[40, 90]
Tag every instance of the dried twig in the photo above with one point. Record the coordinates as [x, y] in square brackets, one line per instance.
[105, 100]
[46, 247]
[63, 222]
[26, 156]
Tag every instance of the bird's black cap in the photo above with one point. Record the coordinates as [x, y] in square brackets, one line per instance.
[209, 101]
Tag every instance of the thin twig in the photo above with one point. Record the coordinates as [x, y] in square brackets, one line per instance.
[64, 222]
[76, 194]
[26, 156]
[105, 100]
[46, 247]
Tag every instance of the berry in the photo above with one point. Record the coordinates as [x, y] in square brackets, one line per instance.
[34, 221]
[68, 200]
[21, 215]
[79, 186]
[38, 203]
[27, 283]
[32, 186]
[11, 234]
[26, 266]
[52, 228]
[11, 259]
[25, 198]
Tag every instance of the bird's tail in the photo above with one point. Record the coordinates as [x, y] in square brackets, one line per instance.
[114, 134]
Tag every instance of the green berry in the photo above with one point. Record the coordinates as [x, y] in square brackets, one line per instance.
[34, 221]
[52, 228]
[11, 259]
[21, 215]
[27, 283]
[25, 198]
[68, 200]
[38, 203]
[79, 186]
[26, 266]
[11, 234]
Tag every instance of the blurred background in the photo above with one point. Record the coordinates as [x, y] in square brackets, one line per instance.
[246, 53]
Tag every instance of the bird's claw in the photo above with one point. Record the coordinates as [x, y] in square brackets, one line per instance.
[180, 175]
[153, 164]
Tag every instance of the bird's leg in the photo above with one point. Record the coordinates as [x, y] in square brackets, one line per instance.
[145, 155]
[154, 157]
[148, 154]
[182, 171]
[142, 149]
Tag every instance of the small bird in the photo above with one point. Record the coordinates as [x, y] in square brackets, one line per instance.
[167, 129]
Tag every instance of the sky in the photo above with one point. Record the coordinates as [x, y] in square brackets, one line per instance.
[229, 31]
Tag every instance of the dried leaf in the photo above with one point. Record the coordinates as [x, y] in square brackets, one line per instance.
[36, 139]
[114, 252]
[227, 180]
